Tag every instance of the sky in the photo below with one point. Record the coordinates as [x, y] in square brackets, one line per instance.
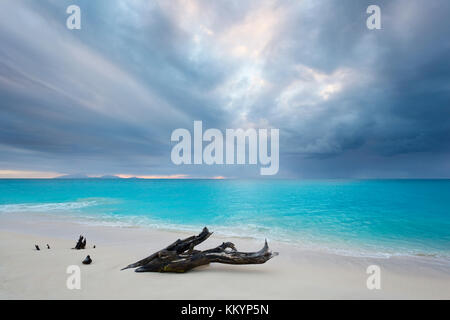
[349, 102]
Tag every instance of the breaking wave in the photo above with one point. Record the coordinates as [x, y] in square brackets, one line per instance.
[51, 206]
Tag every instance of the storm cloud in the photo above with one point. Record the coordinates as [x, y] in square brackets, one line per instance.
[349, 102]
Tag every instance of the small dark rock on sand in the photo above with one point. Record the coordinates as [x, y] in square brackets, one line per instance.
[88, 260]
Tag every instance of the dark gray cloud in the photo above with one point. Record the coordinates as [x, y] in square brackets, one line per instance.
[349, 102]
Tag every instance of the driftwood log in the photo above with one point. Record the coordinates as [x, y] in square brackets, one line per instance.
[180, 256]
[81, 243]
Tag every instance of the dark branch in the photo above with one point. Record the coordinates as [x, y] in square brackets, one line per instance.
[181, 256]
[178, 246]
[81, 243]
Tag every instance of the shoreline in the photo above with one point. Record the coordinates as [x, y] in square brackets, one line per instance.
[295, 274]
[351, 251]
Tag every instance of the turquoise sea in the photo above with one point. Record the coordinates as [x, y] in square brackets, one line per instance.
[354, 217]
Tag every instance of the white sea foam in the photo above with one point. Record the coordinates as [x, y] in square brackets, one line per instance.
[51, 206]
[257, 232]
[73, 211]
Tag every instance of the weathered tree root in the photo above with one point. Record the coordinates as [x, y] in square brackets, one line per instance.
[81, 243]
[180, 256]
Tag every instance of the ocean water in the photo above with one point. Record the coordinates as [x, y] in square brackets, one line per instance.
[355, 217]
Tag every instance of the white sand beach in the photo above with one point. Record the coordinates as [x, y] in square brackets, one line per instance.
[296, 273]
